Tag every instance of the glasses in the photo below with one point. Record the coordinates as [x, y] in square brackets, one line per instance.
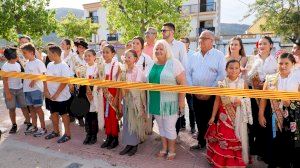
[149, 33]
[205, 38]
[164, 30]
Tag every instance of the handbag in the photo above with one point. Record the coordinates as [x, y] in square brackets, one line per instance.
[80, 105]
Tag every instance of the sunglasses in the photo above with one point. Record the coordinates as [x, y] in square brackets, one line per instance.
[164, 30]
[149, 33]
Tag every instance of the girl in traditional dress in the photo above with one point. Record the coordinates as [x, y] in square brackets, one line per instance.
[91, 119]
[283, 128]
[227, 140]
[134, 102]
[111, 97]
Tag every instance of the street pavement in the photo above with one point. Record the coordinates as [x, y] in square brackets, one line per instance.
[21, 151]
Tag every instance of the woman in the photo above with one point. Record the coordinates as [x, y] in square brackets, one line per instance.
[165, 106]
[134, 105]
[227, 141]
[111, 99]
[264, 63]
[67, 52]
[236, 51]
[143, 60]
[78, 67]
[283, 127]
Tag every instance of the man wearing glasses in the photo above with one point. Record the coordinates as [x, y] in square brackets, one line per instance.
[150, 35]
[206, 68]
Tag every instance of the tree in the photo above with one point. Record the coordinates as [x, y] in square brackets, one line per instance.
[283, 16]
[71, 27]
[28, 17]
[132, 17]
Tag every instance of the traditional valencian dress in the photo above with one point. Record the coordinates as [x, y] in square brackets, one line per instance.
[285, 124]
[111, 113]
[227, 140]
[134, 105]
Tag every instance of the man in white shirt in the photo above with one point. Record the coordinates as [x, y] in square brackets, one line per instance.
[178, 48]
[179, 52]
[189, 97]
[206, 68]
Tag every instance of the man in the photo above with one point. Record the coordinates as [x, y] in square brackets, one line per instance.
[179, 52]
[178, 48]
[151, 35]
[23, 39]
[206, 68]
[189, 97]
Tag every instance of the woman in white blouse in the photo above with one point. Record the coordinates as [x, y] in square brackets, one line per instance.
[264, 64]
[67, 52]
[143, 60]
[282, 128]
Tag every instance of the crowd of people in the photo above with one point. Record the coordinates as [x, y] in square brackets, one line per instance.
[232, 129]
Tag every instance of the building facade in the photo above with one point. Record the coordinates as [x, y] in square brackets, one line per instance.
[204, 14]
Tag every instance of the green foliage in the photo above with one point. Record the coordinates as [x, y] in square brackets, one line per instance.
[283, 16]
[132, 17]
[28, 17]
[71, 27]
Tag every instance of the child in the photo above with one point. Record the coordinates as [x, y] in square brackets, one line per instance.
[91, 120]
[227, 141]
[111, 99]
[58, 94]
[13, 89]
[134, 103]
[34, 90]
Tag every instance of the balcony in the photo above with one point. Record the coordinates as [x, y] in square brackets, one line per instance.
[192, 9]
[112, 37]
[201, 29]
[94, 19]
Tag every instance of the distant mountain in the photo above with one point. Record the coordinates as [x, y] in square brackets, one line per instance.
[233, 29]
[62, 12]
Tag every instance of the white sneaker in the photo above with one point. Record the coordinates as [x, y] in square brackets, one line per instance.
[41, 132]
[32, 129]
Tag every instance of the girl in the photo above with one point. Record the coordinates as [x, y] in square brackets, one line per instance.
[91, 120]
[134, 106]
[111, 99]
[227, 141]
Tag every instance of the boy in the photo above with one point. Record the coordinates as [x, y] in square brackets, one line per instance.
[13, 89]
[58, 94]
[34, 90]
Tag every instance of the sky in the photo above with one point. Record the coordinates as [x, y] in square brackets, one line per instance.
[232, 11]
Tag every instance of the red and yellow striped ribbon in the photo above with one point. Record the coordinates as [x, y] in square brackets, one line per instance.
[159, 87]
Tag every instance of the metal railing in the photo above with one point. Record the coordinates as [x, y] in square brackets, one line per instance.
[94, 19]
[201, 29]
[193, 8]
[112, 37]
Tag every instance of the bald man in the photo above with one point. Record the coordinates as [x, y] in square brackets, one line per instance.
[205, 68]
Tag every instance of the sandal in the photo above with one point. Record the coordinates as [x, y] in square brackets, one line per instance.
[64, 139]
[52, 135]
[161, 154]
[171, 156]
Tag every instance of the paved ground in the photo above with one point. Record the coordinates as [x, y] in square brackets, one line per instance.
[26, 151]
